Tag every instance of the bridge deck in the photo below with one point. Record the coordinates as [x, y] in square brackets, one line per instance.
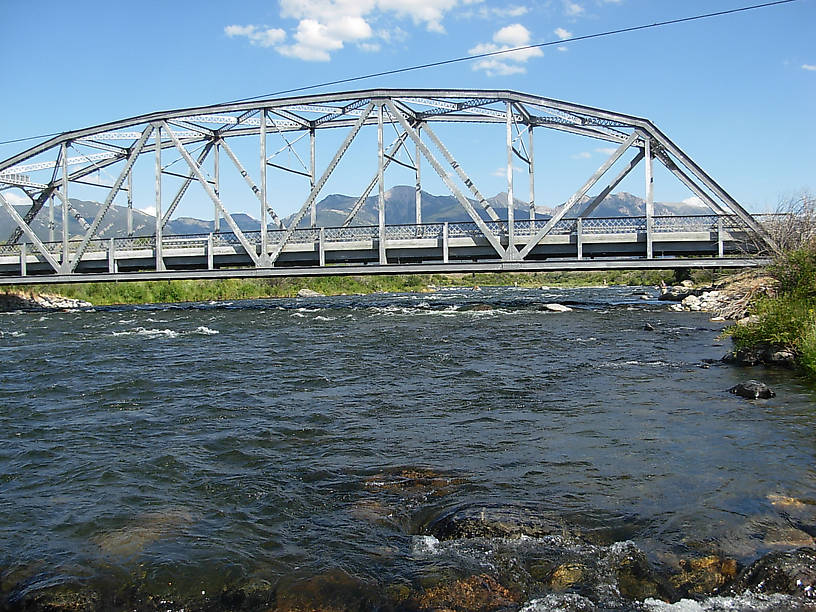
[429, 248]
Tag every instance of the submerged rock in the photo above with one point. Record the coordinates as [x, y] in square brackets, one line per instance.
[480, 593]
[636, 578]
[334, 591]
[704, 576]
[492, 522]
[752, 389]
[791, 573]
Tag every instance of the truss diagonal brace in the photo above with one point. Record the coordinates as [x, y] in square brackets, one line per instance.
[392, 150]
[322, 181]
[134, 154]
[578, 195]
[462, 174]
[36, 207]
[255, 189]
[612, 184]
[26, 229]
[186, 184]
[491, 237]
[250, 250]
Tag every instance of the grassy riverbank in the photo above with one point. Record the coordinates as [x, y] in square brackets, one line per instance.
[787, 319]
[102, 294]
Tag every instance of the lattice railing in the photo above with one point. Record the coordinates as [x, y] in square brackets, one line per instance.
[522, 228]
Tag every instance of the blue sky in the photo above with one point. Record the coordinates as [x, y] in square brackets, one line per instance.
[738, 93]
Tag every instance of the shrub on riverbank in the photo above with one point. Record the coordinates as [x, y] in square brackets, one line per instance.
[788, 319]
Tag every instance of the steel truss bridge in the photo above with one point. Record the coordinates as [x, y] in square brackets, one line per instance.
[201, 140]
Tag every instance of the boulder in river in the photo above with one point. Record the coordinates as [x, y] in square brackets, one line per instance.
[792, 573]
[762, 353]
[556, 307]
[307, 293]
[752, 389]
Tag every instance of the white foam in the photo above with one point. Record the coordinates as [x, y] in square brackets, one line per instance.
[322, 318]
[745, 602]
[12, 334]
[149, 333]
[206, 331]
[425, 545]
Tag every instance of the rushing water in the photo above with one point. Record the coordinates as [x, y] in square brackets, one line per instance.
[324, 445]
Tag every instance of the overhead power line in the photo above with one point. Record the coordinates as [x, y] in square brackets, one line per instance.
[467, 58]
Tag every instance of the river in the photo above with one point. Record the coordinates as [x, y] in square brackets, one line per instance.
[363, 452]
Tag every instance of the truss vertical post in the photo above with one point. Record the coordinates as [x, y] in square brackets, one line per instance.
[649, 197]
[510, 201]
[445, 242]
[312, 169]
[111, 256]
[579, 237]
[217, 180]
[264, 236]
[51, 218]
[158, 186]
[130, 204]
[64, 160]
[321, 245]
[23, 259]
[531, 172]
[381, 180]
[418, 189]
[720, 246]
[210, 254]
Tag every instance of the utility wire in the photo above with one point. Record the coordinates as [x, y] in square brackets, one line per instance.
[466, 58]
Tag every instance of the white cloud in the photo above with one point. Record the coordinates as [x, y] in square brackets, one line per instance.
[315, 41]
[606, 150]
[562, 34]
[810, 67]
[505, 39]
[149, 210]
[582, 155]
[695, 201]
[268, 37]
[326, 26]
[429, 12]
[562, 49]
[573, 9]
[15, 199]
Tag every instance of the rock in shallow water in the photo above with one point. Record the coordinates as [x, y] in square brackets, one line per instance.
[752, 389]
[791, 573]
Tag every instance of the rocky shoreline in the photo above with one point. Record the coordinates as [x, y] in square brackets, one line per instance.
[11, 302]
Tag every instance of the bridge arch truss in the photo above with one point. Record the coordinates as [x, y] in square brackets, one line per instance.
[190, 146]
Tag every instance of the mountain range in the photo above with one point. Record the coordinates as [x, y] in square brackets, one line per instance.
[333, 209]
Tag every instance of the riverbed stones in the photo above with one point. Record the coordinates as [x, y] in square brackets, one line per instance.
[566, 575]
[333, 591]
[479, 593]
[636, 578]
[752, 389]
[704, 576]
[792, 573]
